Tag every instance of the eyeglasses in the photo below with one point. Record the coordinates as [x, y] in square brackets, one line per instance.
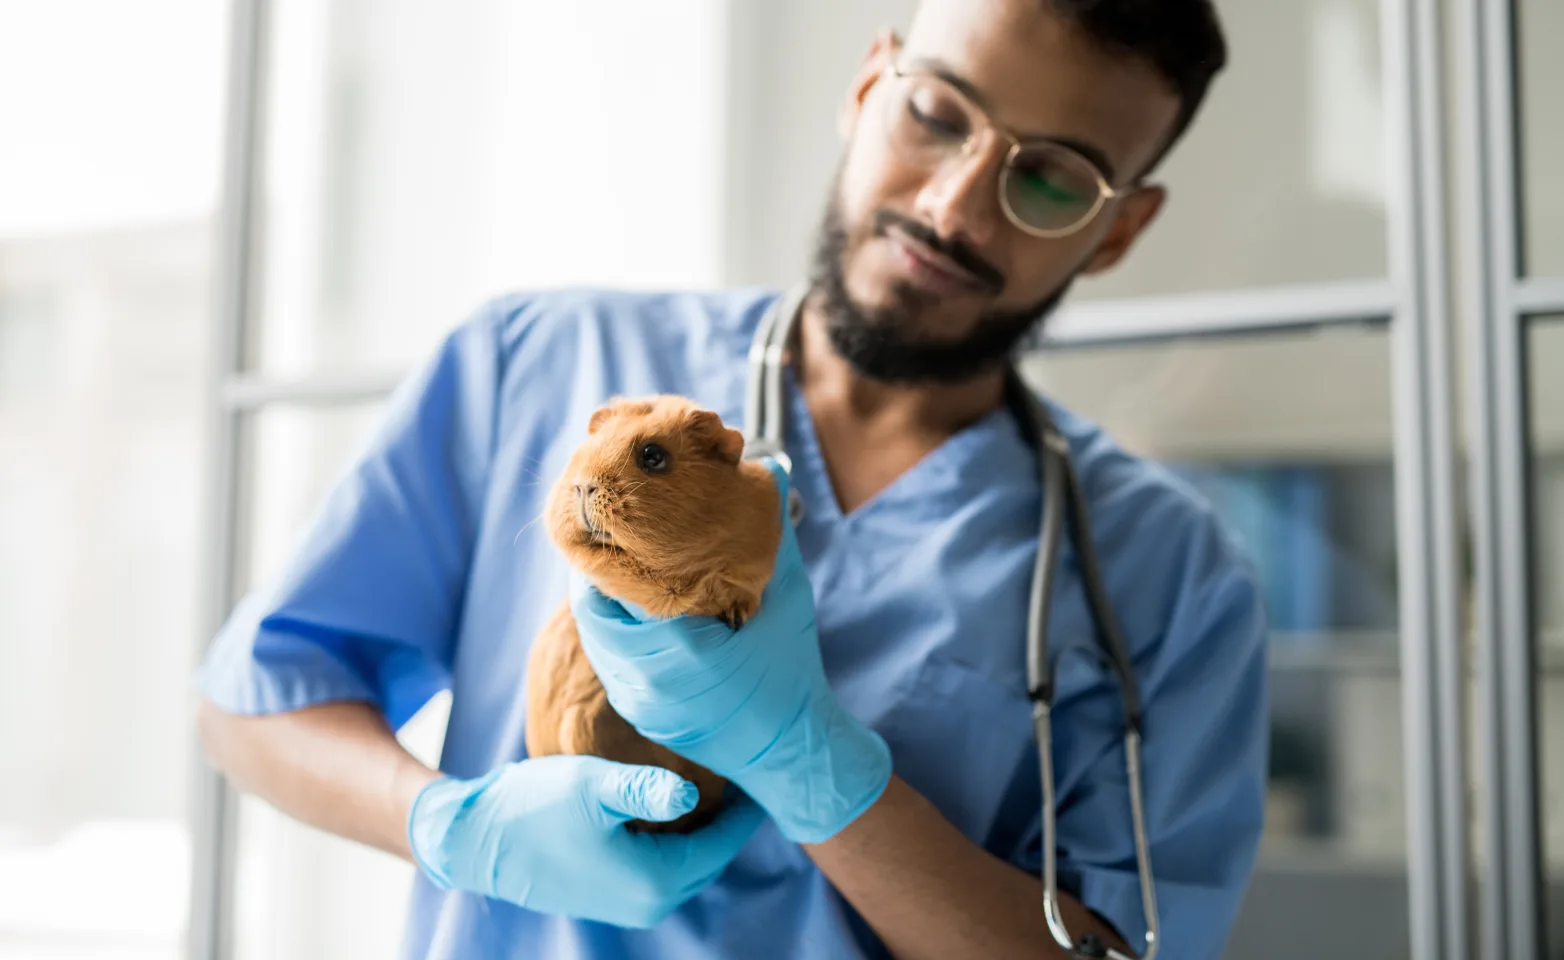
[1047, 189]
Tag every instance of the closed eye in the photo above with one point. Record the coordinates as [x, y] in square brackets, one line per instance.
[935, 125]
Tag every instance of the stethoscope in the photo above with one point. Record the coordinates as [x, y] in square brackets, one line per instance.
[763, 425]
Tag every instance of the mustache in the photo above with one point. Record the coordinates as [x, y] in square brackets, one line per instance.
[964, 256]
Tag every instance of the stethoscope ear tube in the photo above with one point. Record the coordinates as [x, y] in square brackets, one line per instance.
[1039, 671]
[1148, 888]
[763, 408]
[1089, 945]
[1109, 635]
[1060, 486]
[763, 433]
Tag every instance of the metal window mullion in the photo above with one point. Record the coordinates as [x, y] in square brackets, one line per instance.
[246, 392]
[1507, 383]
[1216, 313]
[1473, 253]
[1451, 710]
[1539, 296]
[1442, 570]
[1425, 479]
[210, 931]
[1517, 648]
[1499, 498]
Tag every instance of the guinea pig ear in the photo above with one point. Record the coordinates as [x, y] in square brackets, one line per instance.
[599, 417]
[727, 442]
[604, 413]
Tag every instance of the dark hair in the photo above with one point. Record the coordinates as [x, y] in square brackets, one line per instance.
[1181, 38]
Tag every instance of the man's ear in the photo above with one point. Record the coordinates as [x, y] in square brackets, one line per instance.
[880, 52]
[1135, 214]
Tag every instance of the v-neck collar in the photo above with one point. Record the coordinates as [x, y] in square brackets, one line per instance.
[929, 487]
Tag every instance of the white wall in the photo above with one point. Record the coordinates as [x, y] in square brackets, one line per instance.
[1540, 24]
[788, 67]
[425, 156]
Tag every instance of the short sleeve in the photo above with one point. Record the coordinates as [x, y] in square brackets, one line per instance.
[1205, 702]
[368, 606]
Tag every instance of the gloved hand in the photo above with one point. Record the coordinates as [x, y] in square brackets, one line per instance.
[752, 705]
[548, 834]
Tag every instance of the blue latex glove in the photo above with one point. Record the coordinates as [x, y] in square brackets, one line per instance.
[548, 834]
[752, 705]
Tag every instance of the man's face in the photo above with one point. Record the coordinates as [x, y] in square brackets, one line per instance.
[923, 276]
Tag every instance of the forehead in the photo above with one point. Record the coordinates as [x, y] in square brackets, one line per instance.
[1037, 74]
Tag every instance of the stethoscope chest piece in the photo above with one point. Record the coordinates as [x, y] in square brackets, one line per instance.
[763, 447]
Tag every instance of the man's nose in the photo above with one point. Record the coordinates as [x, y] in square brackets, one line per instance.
[961, 198]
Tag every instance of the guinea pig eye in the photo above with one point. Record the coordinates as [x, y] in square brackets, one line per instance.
[652, 458]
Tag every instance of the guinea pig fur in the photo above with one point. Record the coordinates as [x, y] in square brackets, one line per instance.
[656, 508]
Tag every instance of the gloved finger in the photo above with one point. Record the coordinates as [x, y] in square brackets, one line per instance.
[780, 476]
[697, 858]
[787, 549]
[631, 792]
[788, 572]
[587, 600]
[605, 626]
[634, 652]
[784, 484]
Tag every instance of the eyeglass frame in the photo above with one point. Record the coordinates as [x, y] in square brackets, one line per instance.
[1106, 191]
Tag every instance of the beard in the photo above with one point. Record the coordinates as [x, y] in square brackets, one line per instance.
[884, 343]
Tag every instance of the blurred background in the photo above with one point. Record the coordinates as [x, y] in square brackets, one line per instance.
[179, 386]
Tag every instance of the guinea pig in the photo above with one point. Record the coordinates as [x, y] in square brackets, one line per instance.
[658, 508]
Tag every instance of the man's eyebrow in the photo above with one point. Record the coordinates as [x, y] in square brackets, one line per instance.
[942, 70]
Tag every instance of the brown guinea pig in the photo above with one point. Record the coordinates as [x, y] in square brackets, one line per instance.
[657, 508]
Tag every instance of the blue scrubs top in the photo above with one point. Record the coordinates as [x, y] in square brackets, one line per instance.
[413, 578]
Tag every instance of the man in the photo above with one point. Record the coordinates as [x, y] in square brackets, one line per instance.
[874, 714]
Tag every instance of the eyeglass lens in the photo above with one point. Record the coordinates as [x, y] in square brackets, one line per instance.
[1044, 186]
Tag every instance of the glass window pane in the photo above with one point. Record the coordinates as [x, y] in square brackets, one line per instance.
[100, 461]
[1290, 437]
[1545, 358]
[1282, 177]
[109, 154]
[1540, 24]
[302, 894]
[423, 157]
[1282, 180]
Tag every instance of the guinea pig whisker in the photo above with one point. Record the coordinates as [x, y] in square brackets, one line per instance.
[536, 460]
[601, 535]
[524, 527]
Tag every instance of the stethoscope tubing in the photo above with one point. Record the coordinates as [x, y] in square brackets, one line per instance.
[763, 433]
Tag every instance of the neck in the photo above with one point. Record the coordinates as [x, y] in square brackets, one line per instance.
[829, 382]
